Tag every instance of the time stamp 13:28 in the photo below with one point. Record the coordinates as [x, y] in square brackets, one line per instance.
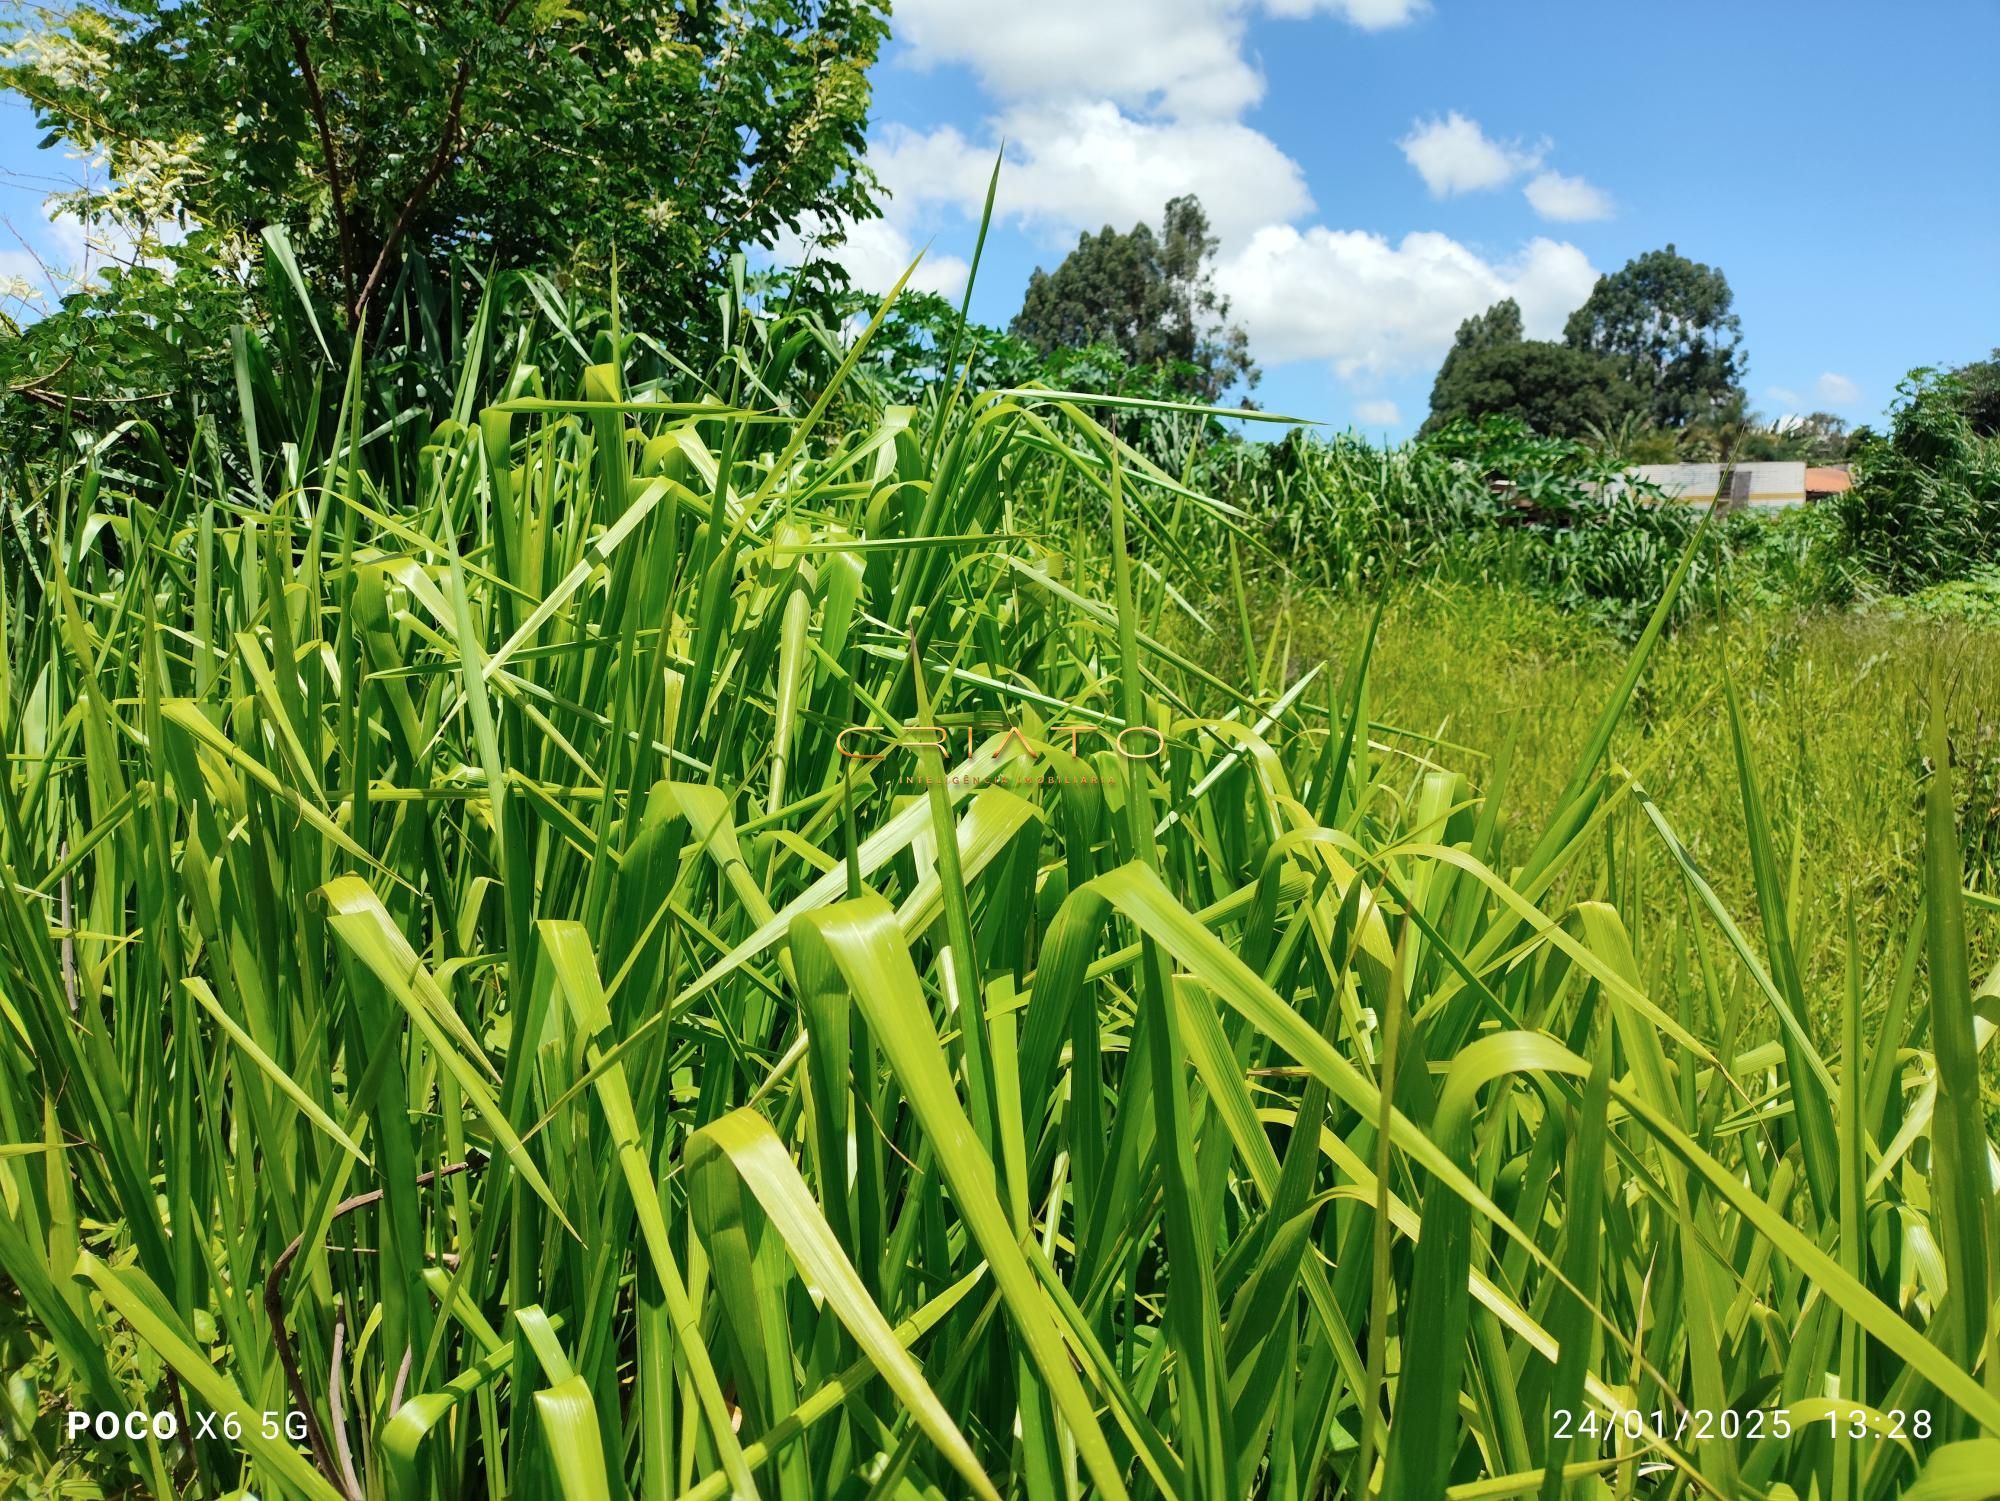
[1694, 1424]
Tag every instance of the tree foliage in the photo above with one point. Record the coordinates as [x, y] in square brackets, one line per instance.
[1979, 394]
[1665, 323]
[1149, 295]
[1925, 507]
[536, 132]
[1499, 324]
[119, 347]
[1557, 391]
[1815, 438]
[905, 364]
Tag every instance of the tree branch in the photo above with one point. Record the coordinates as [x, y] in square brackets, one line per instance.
[334, 180]
[447, 142]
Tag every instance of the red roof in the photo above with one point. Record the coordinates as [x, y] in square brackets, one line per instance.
[1828, 479]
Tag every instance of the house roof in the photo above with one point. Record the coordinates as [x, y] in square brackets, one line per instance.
[1827, 479]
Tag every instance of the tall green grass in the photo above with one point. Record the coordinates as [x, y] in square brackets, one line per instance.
[455, 985]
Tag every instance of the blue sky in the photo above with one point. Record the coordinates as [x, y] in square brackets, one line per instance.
[1379, 169]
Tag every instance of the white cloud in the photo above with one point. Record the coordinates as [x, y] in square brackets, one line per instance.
[1368, 307]
[1080, 166]
[1369, 15]
[874, 253]
[1836, 390]
[1567, 199]
[1453, 155]
[1184, 57]
[1378, 414]
[1069, 167]
[1785, 396]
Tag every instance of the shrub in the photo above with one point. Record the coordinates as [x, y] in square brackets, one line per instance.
[1492, 501]
[1796, 559]
[1609, 558]
[1925, 506]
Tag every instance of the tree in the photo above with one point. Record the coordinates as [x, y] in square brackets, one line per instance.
[1721, 433]
[1557, 391]
[1632, 439]
[1151, 296]
[1979, 394]
[1816, 438]
[1498, 325]
[1665, 323]
[531, 132]
[906, 358]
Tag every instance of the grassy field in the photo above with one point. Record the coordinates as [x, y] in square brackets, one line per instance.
[480, 1020]
[1834, 704]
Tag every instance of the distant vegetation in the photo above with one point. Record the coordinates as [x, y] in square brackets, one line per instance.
[1925, 508]
[1151, 296]
[1501, 499]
